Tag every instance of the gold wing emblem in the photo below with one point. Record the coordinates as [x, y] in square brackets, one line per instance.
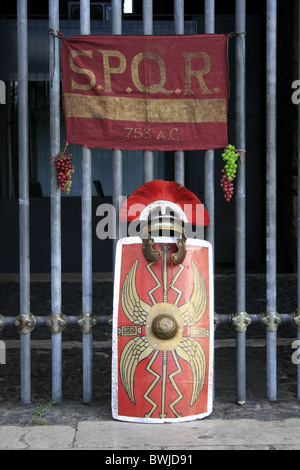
[195, 308]
[191, 351]
[134, 352]
[135, 309]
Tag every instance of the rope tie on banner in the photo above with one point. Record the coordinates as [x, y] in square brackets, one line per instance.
[59, 35]
[238, 151]
[239, 35]
[51, 33]
[232, 35]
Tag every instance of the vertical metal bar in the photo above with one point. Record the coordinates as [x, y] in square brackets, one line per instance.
[24, 195]
[271, 39]
[116, 154]
[55, 199]
[56, 342]
[240, 367]
[148, 17]
[298, 240]
[116, 7]
[148, 165]
[179, 29]
[272, 365]
[209, 17]
[179, 16]
[148, 30]
[240, 224]
[25, 365]
[298, 364]
[9, 188]
[209, 186]
[86, 224]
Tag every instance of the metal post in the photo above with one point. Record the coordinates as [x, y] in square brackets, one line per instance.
[9, 189]
[55, 201]
[116, 154]
[271, 317]
[209, 187]
[298, 239]
[148, 30]
[240, 225]
[24, 196]
[298, 366]
[86, 224]
[209, 28]
[148, 17]
[179, 29]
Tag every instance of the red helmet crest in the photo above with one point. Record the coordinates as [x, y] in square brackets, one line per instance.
[159, 190]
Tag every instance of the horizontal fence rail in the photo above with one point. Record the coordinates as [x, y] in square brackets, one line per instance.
[240, 319]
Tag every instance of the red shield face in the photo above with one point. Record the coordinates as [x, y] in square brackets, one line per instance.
[162, 333]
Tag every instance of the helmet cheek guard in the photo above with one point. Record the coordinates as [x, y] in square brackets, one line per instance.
[179, 255]
[149, 254]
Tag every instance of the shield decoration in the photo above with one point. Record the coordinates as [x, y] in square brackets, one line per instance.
[163, 333]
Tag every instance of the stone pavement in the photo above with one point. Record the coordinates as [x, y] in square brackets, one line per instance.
[173, 439]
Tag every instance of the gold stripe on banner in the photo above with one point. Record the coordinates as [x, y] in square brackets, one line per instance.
[141, 110]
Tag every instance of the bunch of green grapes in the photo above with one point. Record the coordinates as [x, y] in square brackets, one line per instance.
[229, 156]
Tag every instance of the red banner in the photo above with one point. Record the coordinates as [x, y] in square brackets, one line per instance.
[146, 92]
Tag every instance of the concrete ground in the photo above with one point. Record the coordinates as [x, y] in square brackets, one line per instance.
[173, 439]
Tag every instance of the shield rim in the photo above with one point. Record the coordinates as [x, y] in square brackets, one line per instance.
[115, 364]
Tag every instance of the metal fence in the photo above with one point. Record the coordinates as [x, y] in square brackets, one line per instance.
[56, 322]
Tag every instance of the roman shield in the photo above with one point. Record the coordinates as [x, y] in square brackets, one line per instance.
[163, 333]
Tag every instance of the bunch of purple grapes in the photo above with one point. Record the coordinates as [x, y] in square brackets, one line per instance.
[65, 170]
[227, 185]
